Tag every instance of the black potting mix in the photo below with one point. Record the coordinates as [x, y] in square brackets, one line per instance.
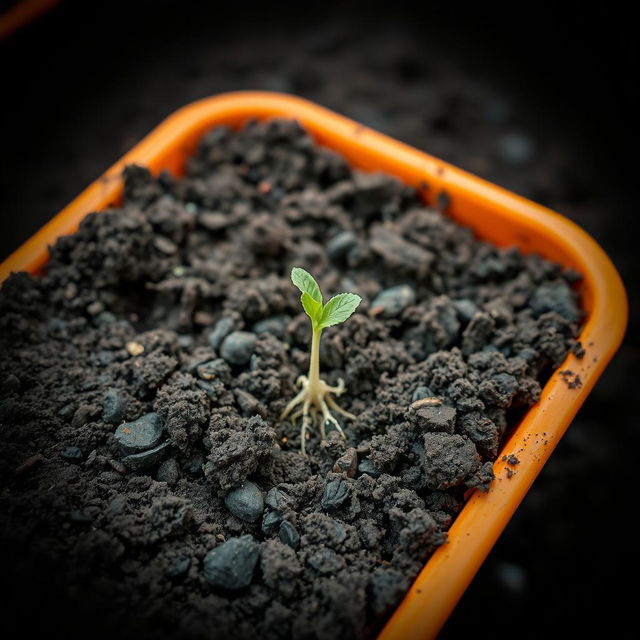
[147, 475]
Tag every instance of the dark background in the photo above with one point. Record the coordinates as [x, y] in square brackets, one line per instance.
[535, 99]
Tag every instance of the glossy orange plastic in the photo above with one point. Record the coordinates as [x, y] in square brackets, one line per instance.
[497, 216]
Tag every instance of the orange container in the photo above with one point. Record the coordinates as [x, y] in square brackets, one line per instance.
[497, 216]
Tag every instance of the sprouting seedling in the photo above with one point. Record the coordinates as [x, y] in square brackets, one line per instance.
[314, 401]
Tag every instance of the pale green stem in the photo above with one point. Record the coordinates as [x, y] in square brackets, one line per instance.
[314, 364]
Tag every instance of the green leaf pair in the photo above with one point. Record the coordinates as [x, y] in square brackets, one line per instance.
[337, 310]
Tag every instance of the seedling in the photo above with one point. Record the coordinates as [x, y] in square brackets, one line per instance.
[314, 401]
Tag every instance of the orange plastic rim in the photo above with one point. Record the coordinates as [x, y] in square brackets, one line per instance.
[496, 215]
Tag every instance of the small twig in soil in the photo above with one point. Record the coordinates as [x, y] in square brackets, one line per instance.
[426, 402]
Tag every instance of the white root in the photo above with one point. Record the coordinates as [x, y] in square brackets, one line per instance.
[315, 398]
[316, 408]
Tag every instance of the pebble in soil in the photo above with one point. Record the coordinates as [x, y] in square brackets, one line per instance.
[289, 535]
[339, 247]
[222, 329]
[231, 565]
[238, 347]
[245, 502]
[141, 434]
[271, 522]
[146, 459]
[115, 406]
[391, 302]
[169, 472]
[72, 454]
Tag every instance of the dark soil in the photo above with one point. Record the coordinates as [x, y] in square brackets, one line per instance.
[146, 476]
